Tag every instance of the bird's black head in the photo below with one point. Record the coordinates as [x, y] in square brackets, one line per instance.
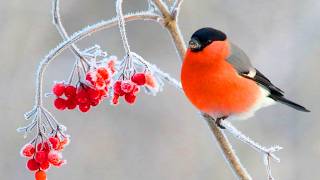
[205, 36]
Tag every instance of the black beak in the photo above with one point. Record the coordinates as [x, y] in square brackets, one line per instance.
[195, 45]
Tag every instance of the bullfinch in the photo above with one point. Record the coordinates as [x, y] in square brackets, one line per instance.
[219, 79]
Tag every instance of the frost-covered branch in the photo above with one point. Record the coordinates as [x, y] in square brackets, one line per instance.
[56, 19]
[267, 153]
[176, 8]
[171, 25]
[122, 28]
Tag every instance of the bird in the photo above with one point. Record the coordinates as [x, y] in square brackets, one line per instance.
[220, 80]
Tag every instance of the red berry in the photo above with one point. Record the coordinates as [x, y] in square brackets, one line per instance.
[91, 76]
[58, 89]
[60, 103]
[84, 107]
[94, 102]
[55, 142]
[150, 81]
[135, 90]
[44, 166]
[127, 86]
[40, 175]
[32, 165]
[103, 93]
[100, 83]
[43, 147]
[41, 156]
[130, 98]
[82, 96]
[93, 94]
[111, 66]
[70, 91]
[96, 80]
[64, 142]
[103, 72]
[28, 150]
[71, 103]
[117, 88]
[60, 163]
[115, 99]
[54, 157]
[139, 79]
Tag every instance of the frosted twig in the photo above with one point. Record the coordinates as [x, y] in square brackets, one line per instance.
[56, 19]
[176, 8]
[267, 153]
[259, 148]
[171, 25]
[266, 160]
[122, 28]
[163, 75]
[234, 163]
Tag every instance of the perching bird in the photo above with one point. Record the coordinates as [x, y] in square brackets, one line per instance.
[218, 79]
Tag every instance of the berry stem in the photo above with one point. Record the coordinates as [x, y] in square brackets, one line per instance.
[121, 24]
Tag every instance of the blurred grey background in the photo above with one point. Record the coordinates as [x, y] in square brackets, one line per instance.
[163, 137]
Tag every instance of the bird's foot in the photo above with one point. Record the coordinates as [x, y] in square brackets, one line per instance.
[218, 122]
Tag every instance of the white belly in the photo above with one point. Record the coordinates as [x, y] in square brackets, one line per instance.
[262, 101]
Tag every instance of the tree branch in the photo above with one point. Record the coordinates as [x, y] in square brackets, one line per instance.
[56, 19]
[171, 25]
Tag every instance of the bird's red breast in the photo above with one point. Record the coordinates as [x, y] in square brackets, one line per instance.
[213, 85]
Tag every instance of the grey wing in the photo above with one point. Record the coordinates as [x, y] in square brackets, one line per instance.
[241, 62]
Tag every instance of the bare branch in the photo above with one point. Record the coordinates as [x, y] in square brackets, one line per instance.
[162, 8]
[56, 19]
[176, 8]
[259, 148]
[228, 152]
[171, 25]
[122, 28]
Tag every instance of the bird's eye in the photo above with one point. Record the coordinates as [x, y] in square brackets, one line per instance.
[194, 45]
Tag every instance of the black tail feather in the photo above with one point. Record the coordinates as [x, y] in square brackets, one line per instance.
[285, 101]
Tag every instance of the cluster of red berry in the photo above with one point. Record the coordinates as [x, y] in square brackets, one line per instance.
[45, 154]
[129, 88]
[84, 95]
[96, 86]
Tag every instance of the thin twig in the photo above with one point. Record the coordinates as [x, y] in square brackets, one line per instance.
[56, 19]
[234, 163]
[259, 148]
[171, 25]
[176, 8]
[122, 28]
